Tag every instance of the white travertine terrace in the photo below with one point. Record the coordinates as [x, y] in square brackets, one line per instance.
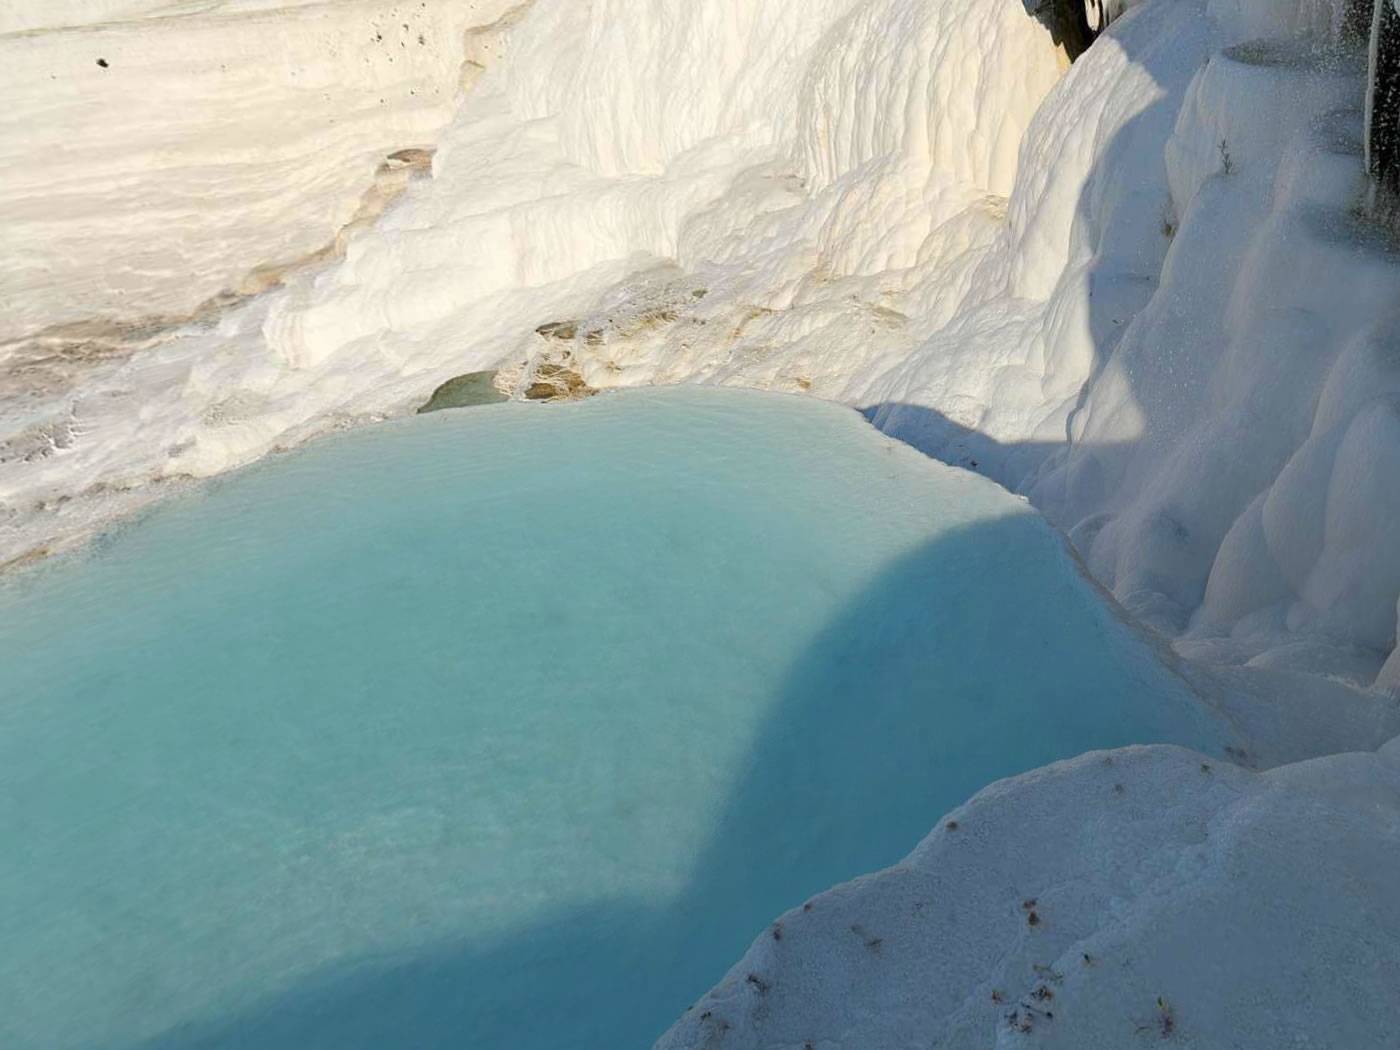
[218, 137]
[1145, 292]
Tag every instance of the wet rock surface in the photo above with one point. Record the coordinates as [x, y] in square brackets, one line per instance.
[464, 391]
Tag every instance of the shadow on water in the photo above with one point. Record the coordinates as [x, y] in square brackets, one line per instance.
[938, 437]
[902, 707]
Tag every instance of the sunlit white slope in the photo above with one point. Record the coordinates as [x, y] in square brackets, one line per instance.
[1127, 898]
[154, 153]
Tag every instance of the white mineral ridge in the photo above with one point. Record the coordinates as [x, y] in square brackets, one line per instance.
[1177, 903]
[219, 136]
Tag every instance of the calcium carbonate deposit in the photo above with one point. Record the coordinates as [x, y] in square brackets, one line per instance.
[1150, 291]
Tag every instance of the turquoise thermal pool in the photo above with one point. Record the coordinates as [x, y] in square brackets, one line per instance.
[510, 727]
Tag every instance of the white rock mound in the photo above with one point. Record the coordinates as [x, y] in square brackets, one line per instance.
[1140, 897]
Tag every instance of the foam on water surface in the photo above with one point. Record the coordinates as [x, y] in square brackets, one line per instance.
[510, 727]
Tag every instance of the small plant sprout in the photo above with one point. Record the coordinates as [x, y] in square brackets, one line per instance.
[1227, 163]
